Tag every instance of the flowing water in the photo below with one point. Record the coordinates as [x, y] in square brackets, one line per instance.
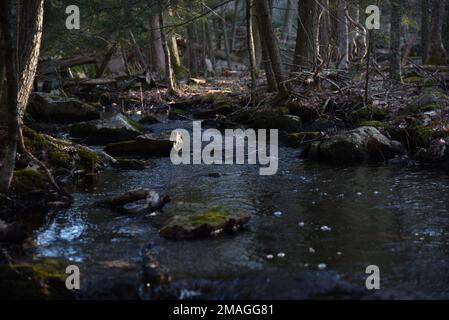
[342, 216]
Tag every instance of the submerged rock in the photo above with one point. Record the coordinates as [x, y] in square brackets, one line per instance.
[143, 146]
[204, 225]
[115, 129]
[55, 109]
[359, 145]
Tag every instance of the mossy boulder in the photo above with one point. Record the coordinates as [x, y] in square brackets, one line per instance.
[142, 146]
[55, 109]
[115, 129]
[373, 123]
[205, 224]
[28, 180]
[356, 146]
[429, 100]
[36, 280]
[275, 119]
[298, 139]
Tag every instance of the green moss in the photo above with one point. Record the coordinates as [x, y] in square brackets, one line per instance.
[59, 158]
[212, 216]
[412, 79]
[368, 114]
[28, 180]
[375, 124]
[136, 125]
[40, 280]
[423, 135]
[88, 159]
[180, 111]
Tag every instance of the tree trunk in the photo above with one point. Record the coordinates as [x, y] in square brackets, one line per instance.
[425, 30]
[12, 106]
[305, 48]
[251, 48]
[265, 23]
[234, 26]
[157, 50]
[343, 36]
[395, 40]
[287, 27]
[437, 50]
[167, 61]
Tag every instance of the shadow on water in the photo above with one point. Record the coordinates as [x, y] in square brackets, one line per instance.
[397, 219]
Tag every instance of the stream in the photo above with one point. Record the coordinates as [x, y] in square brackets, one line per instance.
[342, 216]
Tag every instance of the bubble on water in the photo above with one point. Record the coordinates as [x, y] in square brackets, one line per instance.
[376, 193]
[278, 214]
[322, 266]
[326, 229]
[281, 255]
[312, 250]
[301, 224]
[359, 194]
[270, 257]
[339, 253]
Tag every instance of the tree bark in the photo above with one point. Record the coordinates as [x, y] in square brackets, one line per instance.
[343, 36]
[425, 30]
[12, 106]
[437, 50]
[251, 48]
[395, 40]
[305, 47]
[287, 27]
[265, 23]
[168, 65]
[157, 49]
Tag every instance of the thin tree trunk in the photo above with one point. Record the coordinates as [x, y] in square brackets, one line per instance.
[272, 46]
[395, 40]
[343, 36]
[107, 58]
[168, 65]
[234, 26]
[305, 48]
[226, 39]
[251, 48]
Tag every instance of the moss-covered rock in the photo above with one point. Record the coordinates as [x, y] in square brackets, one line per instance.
[27, 180]
[275, 119]
[56, 109]
[204, 224]
[359, 145]
[375, 124]
[110, 130]
[429, 100]
[39, 280]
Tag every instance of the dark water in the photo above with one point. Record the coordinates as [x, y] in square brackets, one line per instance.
[395, 218]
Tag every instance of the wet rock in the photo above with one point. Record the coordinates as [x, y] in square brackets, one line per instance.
[144, 146]
[275, 120]
[55, 109]
[12, 233]
[222, 109]
[359, 145]
[204, 224]
[154, 201]
[400, 161]
[130, 164]
[114, 129]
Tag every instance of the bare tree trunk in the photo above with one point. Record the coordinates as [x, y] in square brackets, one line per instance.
[157, 50]
[251, 48]
[138, 51]
[395, 40]
[168, 65]
[234, 26]
[12, 106]
[425, 30]
[226, 39]
[106, 60]
[287, 27]
[305, 48]
[343, 36]
[272, 46]
[437, 50]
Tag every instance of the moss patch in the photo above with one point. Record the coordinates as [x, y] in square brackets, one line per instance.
[28, 180]
[369, 113]
[136, 125]
[375, 124]
[212, 216]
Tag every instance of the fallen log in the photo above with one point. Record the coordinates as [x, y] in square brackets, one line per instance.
[52, 66]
